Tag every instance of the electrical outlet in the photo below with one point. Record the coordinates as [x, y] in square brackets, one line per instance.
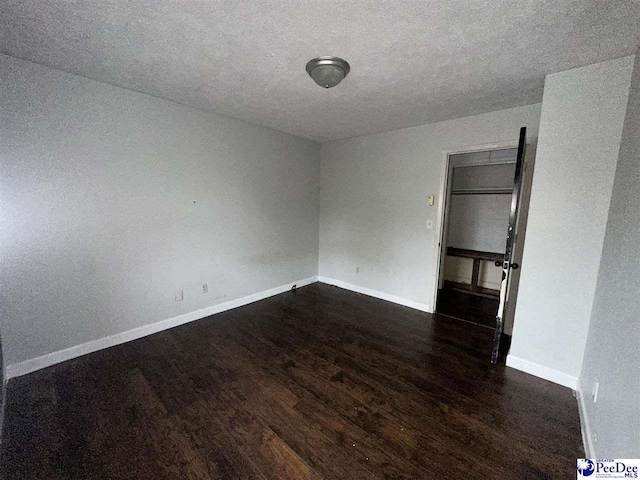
[431, 200]
[205, 288]
[179, 295]
[594, 392]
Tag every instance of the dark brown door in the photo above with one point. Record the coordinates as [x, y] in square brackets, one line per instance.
[507, 265]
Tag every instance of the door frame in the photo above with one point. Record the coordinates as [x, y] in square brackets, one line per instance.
[443, 203]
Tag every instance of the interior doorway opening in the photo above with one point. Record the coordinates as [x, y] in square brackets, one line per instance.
[477, 219]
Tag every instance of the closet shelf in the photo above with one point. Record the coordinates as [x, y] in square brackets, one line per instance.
[482, 191]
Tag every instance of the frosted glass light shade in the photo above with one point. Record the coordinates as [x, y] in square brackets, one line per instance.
[327, 71]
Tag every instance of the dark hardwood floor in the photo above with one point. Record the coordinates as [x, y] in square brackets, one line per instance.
[473, 308]
[316, 383]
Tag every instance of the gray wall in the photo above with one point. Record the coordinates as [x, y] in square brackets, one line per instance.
[374, 189]
[479, 222]
[114, 200]
[580, 129]
[612, 354]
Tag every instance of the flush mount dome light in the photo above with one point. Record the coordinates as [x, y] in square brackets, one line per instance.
[327, 71]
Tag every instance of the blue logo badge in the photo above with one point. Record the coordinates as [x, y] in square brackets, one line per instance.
[585, 467]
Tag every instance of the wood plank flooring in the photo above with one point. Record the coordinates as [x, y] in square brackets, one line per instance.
[473, 308]
[320, 383]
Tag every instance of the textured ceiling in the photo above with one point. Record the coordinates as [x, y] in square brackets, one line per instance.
[412, 62]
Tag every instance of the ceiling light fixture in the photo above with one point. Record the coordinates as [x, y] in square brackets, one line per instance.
[327, 71]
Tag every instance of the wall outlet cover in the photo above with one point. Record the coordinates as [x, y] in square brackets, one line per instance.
[205, 288]
[179, 295]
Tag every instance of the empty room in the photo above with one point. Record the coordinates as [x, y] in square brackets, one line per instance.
[319, 240]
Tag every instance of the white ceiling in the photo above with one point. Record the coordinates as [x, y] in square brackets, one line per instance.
[413, 61]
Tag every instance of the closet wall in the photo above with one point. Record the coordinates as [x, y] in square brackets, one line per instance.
[481, 184]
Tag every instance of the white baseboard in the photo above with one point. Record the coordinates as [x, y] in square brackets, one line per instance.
[585, 427]
[374, 293]
[541, 371]
[33, 364]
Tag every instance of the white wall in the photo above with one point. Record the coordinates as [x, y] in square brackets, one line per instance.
[612, 354]
[479, 222]
[580, 129]
[113, 200]
[373, 200]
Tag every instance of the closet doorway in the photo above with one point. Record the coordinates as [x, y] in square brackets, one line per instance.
[477, 205]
